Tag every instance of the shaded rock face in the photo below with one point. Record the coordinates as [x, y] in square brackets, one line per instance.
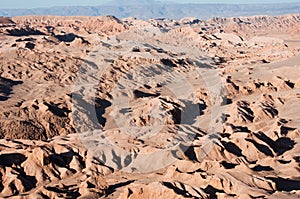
[30, 45]
[95, 107]
[66, 38]
[24, 32]
[6, 87]
[6, 22]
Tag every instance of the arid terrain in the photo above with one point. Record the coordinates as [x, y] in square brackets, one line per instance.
[97, 107]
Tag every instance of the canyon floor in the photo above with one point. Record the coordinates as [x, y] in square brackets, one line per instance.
[96, 107]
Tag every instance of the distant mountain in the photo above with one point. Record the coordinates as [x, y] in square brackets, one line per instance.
[146, 9]
[131, 2]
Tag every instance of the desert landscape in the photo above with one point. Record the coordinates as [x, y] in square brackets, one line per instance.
[106, 107]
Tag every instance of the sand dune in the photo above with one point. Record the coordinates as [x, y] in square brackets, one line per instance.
[122, 108]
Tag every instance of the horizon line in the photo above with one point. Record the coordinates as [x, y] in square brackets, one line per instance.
[155, 3]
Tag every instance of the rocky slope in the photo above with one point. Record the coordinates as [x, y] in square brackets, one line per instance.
[122, 108]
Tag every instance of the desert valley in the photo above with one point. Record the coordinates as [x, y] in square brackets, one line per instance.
[97, 107]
